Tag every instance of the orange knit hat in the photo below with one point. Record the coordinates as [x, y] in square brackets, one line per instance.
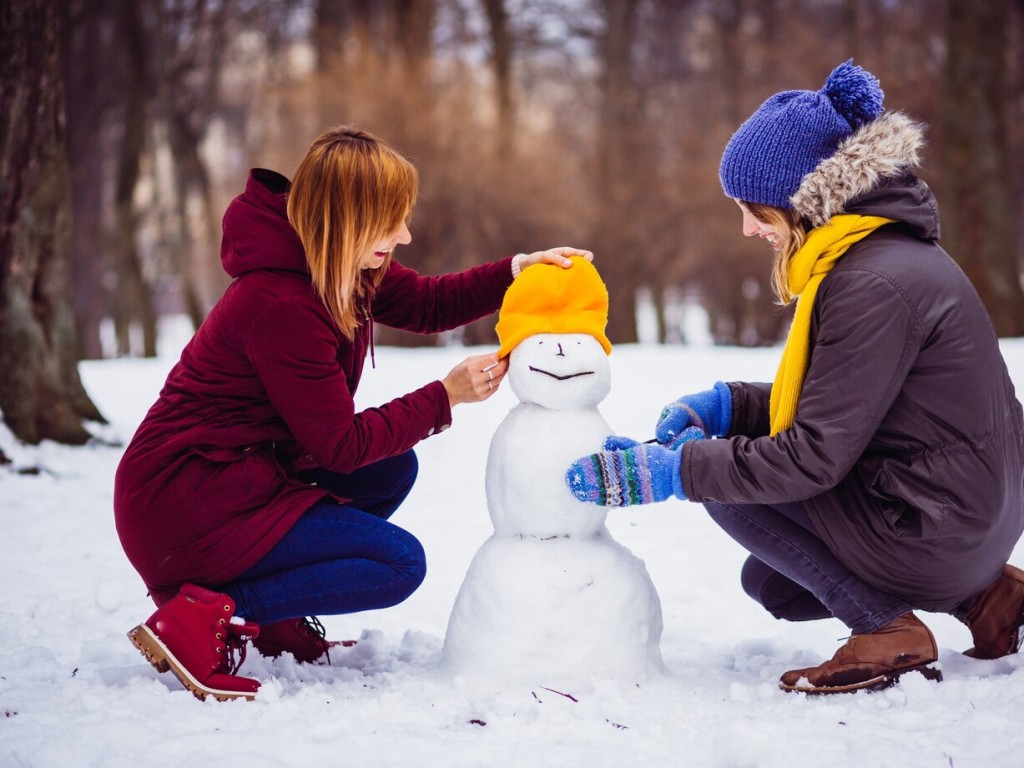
[546, 298]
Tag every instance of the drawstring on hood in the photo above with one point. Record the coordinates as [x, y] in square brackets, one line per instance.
[369, 321]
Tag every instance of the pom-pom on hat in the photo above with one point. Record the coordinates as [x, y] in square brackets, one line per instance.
[547, 298]
[793, 131]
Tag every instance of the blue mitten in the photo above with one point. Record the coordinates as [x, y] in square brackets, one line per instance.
[619, 443]
[638, 475]
[710, 411]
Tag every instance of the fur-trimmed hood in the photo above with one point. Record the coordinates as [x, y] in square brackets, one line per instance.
[882, 150]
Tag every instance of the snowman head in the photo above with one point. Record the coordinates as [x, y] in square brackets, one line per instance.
[552, 323]
[560, 370]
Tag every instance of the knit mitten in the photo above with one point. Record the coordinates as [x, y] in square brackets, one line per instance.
[710, 411]
[638, 475]
[619, 443]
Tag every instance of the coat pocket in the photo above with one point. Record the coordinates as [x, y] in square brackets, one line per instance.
[225, 455]
[898, 517]
[249, 475]
[917, 499]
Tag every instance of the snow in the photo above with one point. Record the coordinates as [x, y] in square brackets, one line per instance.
[74, 692]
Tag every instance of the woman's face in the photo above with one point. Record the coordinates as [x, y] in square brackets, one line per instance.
[754, 226]
[375, 258]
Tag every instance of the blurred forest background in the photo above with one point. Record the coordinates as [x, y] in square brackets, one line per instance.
[127, 127]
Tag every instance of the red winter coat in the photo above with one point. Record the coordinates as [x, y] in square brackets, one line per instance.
[265, 390]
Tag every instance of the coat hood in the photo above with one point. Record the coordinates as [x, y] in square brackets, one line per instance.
[257, 234]
[870, 172]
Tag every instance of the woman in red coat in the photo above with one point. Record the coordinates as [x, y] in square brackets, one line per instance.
[253, 488]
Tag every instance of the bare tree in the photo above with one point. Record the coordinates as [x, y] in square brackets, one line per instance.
[614, 114]
[979, 185]
[190, 41]
[501, 63]
[619, 125]
[133, 299]
[41, 395]
[87, 57]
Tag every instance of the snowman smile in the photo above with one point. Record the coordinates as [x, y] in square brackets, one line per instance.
[561, 378]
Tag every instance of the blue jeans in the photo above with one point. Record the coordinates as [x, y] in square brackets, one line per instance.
[794, 575]
[339, 558]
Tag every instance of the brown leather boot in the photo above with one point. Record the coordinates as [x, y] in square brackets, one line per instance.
[871, 661]
[997, 617]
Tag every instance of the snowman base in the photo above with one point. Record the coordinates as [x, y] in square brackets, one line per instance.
[563, 611]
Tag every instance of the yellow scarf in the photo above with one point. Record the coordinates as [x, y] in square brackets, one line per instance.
[808, 267]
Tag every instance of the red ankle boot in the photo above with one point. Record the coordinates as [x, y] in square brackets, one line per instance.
[192, 636]
[303, 638]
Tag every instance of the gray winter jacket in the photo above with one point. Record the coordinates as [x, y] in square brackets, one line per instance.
[908, 441]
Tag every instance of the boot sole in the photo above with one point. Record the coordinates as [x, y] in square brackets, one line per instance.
[160, 656]
[874, 684]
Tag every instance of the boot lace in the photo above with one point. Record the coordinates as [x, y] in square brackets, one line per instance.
[236, 641]
[312, 625]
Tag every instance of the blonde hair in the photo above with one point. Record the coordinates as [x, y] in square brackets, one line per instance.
[350, 191]
[791, 228]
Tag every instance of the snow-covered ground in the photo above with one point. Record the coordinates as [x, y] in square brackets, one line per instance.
[74, 692]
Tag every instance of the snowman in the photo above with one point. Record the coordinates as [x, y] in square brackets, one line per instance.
[551, 596]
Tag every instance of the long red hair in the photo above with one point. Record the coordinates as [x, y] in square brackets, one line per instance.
[350, 191]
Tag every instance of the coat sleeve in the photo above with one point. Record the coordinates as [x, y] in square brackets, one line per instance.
[294, 350]
[750, 408]
[429, 304]
[866, 338]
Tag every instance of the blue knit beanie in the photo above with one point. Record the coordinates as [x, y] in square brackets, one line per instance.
[793, 131]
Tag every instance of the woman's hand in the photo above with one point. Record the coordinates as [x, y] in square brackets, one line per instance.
[475, 379]
[559, 256]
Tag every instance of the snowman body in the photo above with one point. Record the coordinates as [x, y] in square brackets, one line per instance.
[551, 596]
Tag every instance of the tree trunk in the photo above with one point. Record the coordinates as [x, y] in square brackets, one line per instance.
[86, 60]
[851, 15]
[501, 63]
[979, 210]
[133, 303]
[620, 119]
[189, 75]
[409, 26]
[41, 395]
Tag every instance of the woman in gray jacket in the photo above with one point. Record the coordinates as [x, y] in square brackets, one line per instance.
[882, 470]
